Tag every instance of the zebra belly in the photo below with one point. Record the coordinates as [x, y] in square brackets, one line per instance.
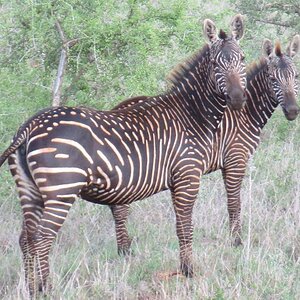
[95, 193]
[92, 194]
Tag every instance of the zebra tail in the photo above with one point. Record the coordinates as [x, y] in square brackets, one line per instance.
[21, 135]
[18, 141]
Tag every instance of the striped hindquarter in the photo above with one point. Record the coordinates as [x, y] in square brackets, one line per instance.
[270, 82]
[118, 157]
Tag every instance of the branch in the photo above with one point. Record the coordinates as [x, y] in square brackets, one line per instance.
[60, 31]
[273, 23]
[69, 44]
[287, 8]
[66, 45]
[59, 77]
[68, 90]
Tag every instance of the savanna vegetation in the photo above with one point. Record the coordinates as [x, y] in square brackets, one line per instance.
[122, 49]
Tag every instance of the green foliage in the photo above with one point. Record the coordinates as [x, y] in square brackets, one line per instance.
[275, 20]
[280, 15]
[124, 48]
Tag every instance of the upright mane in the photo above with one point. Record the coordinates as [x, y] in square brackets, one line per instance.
[278, 51]
[183, 69]
[255, 67]
[222, 35]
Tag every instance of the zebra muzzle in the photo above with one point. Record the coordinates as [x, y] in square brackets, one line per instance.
[236, 101]
[291, 112]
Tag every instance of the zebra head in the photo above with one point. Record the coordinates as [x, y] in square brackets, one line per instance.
[283, 75]
[227, 61]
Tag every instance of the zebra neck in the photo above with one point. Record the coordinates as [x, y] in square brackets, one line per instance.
[194, 93]
[261, 102]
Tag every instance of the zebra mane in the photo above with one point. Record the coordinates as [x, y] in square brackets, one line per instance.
[222, 35]
[255, 67]
[278, 49]
[183, 69]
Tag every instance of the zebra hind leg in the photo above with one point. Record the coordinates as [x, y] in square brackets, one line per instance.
[32, 212]
[40, 242]
[120, 214]
[32, 206]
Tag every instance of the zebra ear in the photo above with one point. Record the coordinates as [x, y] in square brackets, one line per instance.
[237, 27]
[210, 30]
[294, 46]
[267, 47]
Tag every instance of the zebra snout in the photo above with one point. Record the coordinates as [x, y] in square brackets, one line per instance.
[291, 112]
[236, 100]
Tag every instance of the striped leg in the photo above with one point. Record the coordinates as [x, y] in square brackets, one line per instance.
[40, 242]
[233, 176]
[32, 207]
[31, 214]
[184, 193]
[120, 214]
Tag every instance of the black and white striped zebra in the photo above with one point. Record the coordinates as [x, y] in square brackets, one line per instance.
[270, 82]
[118, 157]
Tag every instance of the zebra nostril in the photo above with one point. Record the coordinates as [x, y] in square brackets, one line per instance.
[291, 112]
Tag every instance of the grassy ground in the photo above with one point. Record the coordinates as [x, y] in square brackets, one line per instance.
[85, 264]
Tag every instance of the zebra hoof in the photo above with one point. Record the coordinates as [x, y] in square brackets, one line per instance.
[187, 270]
[237, 242]
[44, 288]
[125, 250]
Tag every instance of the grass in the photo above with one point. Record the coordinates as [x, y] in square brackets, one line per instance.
[85, 264]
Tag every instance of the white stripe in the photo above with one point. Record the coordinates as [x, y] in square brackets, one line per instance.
[59, 170]
[85, 127]
[36, 137]
[105, 177]
[41, 151]
[113, 147]
[120, 175]
[61, 186]
[131, 171]
[103, 157]
[76, 145]
[61, 155]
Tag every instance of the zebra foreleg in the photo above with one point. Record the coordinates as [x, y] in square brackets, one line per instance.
[184, 230]
[120, 214]
[233, 180]
[184, 194]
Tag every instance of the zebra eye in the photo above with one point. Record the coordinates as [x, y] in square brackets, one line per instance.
[297, 76]
[243, 58]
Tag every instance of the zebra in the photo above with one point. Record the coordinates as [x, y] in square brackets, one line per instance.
[117, 157]
[270, 82]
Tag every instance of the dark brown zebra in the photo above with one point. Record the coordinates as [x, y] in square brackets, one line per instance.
[118, 157]
[270, 82]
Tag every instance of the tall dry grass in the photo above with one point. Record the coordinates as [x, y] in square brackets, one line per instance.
[84, 260]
